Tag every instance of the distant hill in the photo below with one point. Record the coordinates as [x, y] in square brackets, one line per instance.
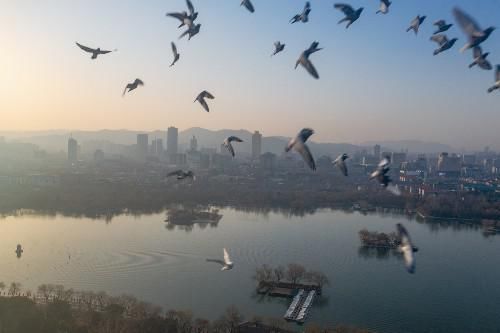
[90, 140]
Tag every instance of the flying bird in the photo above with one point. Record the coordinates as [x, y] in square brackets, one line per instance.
[227, 264]
[384, 7]
[180, 174]
[184, 17]
[473, 31]
[248, 5]
[351, 15]
[229, 146]
[480, 59]
[415, 24]
[133, 86]
[278, 47]
[497, 80]
[441, 26]
[304, 16]
[201, 98]
[407, 248]
[95, 52]
[299, 144]
[176, 54]
[444, 43]
[340, 163]
[381, 175]
[306, 63]
[191, 31]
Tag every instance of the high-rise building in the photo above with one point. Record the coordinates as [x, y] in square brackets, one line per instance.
[142, 146]
[376, 151]
[193, 144]
[172, 143]
[256, 145]
[72, 150]
[157, 147]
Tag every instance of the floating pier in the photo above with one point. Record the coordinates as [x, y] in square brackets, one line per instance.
[299, 308]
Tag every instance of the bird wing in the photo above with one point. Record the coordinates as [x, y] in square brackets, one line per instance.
[341, 165]
[175, 173]
[229, 146]
[220, 262]
[174, 49]
[384, 163]
[179, 16]
[467, 23]
[126, 87]
[85, 48]
[104, 51]
[303, 150]
[477, 52]
[227, 259]
[440, 39]
[139, 82]
[234, 138]
[345, 8]
[394, 189]
[206, 94]
[497, 74]
[409, 258]
[190, 7]
[439, 23]
[310, 68]
[307, 7]
[248, 5]
[204, 104]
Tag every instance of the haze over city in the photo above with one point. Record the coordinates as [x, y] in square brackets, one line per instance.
[378, 82]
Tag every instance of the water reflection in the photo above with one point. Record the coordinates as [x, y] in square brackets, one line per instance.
[185, 218]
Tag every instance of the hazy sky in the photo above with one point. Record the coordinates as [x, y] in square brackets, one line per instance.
[378, 82]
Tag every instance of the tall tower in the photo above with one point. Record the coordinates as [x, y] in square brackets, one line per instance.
[72, 150]
[376, 151]
[172, 143]
[256, 145]
[193, 144]
[142, 146]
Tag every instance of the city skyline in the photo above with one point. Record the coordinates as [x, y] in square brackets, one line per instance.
[441, 99]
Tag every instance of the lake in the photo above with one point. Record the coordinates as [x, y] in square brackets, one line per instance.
[456, 287]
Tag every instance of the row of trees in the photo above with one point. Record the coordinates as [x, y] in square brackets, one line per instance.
[293, 273]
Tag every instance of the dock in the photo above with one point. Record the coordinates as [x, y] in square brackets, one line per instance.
[299, 308]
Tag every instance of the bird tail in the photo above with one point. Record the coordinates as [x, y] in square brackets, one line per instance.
[491, 89]
[124, 91]
[436, 52]
[378, 11]
[345, 19]
[472, 65]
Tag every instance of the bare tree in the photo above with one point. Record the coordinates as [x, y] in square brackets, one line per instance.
[279, 273]
[201, 325]
[319, 278]
[233, 318]
[263, 273]
[15, 288]
[2, 286]
[295, 273]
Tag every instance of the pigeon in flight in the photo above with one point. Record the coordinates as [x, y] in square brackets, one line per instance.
[191, 31]
[299, 144]
[306, 63]
[497, 80]
[415, 24]
[176, 54]
[384, 7]
[201, 98]
[278, 47]
[441, 26]
[180, 175]
[480, 59]
[248, 5]
[340, 163]
[229, 146]
[184, 17]
[444, 43]
[380, 174]
[227, 264]
[133, 86]
[351, 15]
[406, 247]
[473, 31]
[95, 52]
[304, 16]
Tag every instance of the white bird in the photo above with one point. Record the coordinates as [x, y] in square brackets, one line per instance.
[384, 7]
[351, 15]
[497, 80]
[180, 174]
[306, 63]
[473, 31]
[299, 144]
[191, 31]
[480, 59]
[415, 24]
[340, 163]
[406, 247]
[95, 52]
[201, 99]
[444, 43]
[248, 5]
[441, 26]
[227, 264]
[304, 16]
[176, 54]
[133, 85]
[229, 146]
[278, 47]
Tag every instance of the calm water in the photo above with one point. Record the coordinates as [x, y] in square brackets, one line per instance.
[456, 288]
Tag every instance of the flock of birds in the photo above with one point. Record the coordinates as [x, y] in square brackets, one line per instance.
[475, 35]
